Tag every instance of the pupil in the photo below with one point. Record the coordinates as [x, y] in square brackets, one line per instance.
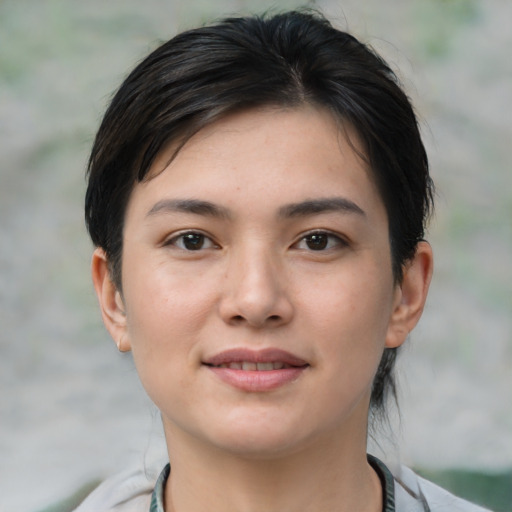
[193, 241]
[316, 242]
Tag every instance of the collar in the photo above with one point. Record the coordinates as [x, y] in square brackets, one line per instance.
[157, 498]
[386, 478]
[387, 481]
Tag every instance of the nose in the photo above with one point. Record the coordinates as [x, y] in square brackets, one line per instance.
[255, 292]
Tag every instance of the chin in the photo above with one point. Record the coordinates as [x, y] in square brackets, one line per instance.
[259, 447]
[259, 439]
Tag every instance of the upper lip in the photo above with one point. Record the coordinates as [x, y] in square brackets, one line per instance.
[268, 355]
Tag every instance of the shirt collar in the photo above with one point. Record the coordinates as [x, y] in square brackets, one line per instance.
[157, 498]
[387, 481]
[386, 478]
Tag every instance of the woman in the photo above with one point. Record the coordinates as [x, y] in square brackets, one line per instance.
[258, 193]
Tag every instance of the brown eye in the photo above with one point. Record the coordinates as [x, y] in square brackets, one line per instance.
[192, 241]
[320, 241]
[317, 241]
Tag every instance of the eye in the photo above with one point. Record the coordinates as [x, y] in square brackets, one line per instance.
[319, 241]
[191, 241]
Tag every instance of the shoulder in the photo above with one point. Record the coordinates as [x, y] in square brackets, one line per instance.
[128, 491]
[413, 492]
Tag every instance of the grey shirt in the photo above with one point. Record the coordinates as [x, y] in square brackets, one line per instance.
[403, 491]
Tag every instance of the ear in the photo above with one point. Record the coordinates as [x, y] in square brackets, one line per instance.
[411, 295]
[110, 300]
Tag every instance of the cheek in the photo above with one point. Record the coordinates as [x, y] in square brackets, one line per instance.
[162, 291]
[165, 312]
[351, 315]
[164, 323]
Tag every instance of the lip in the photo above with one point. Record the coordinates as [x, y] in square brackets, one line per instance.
[268, 355]
[256, 380]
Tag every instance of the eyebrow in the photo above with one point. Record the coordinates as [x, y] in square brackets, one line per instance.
[301, 209]
[195, 206]
[323, 205]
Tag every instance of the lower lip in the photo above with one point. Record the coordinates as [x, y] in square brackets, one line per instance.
[258, 381]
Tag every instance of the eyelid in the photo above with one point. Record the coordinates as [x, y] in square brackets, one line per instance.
[171, 240]
[341, 241]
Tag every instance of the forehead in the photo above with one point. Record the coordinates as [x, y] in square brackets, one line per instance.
[292, 151]
[266, 119]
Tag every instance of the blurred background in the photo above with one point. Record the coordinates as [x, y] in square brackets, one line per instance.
[71, 408]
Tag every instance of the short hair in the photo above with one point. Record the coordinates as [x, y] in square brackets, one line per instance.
[283, 60]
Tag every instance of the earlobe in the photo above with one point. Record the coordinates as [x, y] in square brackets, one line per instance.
[411, 295]
[110, 301]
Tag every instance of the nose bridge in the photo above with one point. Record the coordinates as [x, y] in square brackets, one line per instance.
[256, 286]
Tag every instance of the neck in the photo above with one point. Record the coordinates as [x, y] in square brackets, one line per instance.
[332, 476]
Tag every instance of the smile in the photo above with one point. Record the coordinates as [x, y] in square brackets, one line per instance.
[255, 359]
[256, 371]
[255, 367]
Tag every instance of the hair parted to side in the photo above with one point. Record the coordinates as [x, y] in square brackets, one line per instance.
[284, 60]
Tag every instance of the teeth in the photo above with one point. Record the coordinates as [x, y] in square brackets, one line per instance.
[233, 366]
[249, 366]
[265, 366]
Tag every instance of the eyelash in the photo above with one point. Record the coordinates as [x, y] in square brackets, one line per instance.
[175, 241]
[331, 241]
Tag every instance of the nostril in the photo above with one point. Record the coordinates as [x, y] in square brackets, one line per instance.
[272, 319]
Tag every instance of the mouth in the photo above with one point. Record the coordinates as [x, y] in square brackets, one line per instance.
[256, 371]
[254, 367]
[255, 360]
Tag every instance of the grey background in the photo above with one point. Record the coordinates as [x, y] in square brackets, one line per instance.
[71, 407]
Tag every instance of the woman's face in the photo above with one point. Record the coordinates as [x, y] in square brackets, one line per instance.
[257, 286]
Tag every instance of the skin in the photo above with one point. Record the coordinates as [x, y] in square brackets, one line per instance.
[260, 280]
